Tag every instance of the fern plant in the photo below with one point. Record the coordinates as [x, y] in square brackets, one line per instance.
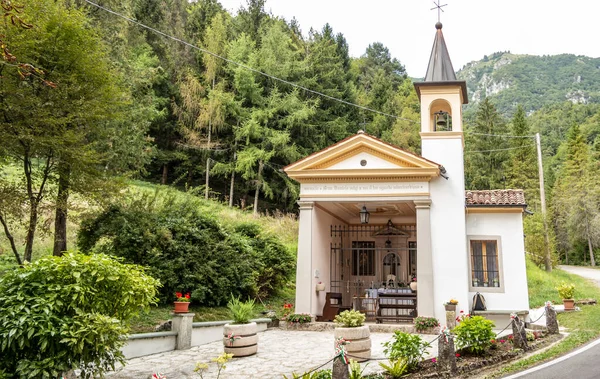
[241, 311]
[396, 368]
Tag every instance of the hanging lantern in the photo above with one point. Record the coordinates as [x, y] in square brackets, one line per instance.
[364, 215]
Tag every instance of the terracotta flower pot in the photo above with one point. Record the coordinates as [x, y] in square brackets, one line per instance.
[181, 306]
[569, 304]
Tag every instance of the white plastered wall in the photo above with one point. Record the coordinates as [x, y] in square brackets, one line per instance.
[509, 227]
[448, 230]
[321, 256]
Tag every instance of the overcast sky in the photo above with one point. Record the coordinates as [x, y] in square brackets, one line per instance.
[472, 28]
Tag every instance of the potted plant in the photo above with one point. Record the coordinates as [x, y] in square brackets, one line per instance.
[320, 287]
[566, 292]
[475, 282]
[239, 336]
[451, 305]
[350, 326]
[182, 303]
[496, 282]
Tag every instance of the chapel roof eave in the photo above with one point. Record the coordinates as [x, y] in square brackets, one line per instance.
[320, 166]
[459, 83]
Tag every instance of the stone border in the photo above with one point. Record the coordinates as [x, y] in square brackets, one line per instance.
[374, 328]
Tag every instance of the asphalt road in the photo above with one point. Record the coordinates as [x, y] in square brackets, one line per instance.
[583, 363]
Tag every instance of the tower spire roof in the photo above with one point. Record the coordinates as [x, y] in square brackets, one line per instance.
[440, 66]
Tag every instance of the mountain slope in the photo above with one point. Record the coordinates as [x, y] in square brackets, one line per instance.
[533, 81]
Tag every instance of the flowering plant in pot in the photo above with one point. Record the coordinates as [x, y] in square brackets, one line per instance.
[566, 292]
[182, 303]
[239, 336]
[350, 326]
[451, 305]
[413, 284]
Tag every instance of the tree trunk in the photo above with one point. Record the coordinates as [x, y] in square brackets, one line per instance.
[208, 161]
[590, 246]
[165, 173]
[232, 181]
[13, 246]
[190, 176]
[60, 219]
[258, 183]
[589, 239]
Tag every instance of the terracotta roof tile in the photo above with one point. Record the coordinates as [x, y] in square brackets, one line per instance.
[496, 197]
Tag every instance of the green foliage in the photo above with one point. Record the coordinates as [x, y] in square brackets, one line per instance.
[241, 311]
[355, 369]
[566, 291]
[62, 313]
[296, 318]
[474, 334]
[409, 348]
[188, 249]
[535, 241]
[423, 323]
[396, 368]
[350, 319]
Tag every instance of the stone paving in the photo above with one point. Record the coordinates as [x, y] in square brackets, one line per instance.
[280, 352]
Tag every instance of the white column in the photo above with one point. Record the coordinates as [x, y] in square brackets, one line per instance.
[304, 290]
[424, 260]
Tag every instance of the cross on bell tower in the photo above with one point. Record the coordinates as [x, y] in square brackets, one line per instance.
[439, 8]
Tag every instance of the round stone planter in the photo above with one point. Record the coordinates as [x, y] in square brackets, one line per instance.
[240, 340]
[359, 339]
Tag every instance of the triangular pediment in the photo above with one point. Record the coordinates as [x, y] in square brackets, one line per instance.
[361, 157]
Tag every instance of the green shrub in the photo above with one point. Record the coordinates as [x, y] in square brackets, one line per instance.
[63, 313]
[355, 369]
[241, 311]
[350, 319]
[424, 323]
[396, 368]
[566, 291]
[405, 346]
[299, 318]
[474, 334]
[321, 374]
[189, 250]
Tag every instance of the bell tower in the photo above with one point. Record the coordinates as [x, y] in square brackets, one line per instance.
[442, 141]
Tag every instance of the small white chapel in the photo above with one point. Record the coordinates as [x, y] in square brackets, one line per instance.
[396, 235]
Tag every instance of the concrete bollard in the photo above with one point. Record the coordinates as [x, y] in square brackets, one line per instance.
[182, 324]
[551, 321]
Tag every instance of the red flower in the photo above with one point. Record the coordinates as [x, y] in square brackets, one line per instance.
[287, 306]
[492, 341]
[457, 355]
[510, 337]
[187, 295]
[178, 294]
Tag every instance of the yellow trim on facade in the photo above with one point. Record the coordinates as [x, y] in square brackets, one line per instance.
[363, 149]
[360, 179]
[355, 145]
[325, 196]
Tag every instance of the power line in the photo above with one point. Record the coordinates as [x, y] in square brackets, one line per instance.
[488, 151]
[500, 135]
[247, 67]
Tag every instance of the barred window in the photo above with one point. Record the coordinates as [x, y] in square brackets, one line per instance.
[363, 258]
[484, 263]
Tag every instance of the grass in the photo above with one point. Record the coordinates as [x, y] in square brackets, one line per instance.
[582, 326]
[542, 285]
